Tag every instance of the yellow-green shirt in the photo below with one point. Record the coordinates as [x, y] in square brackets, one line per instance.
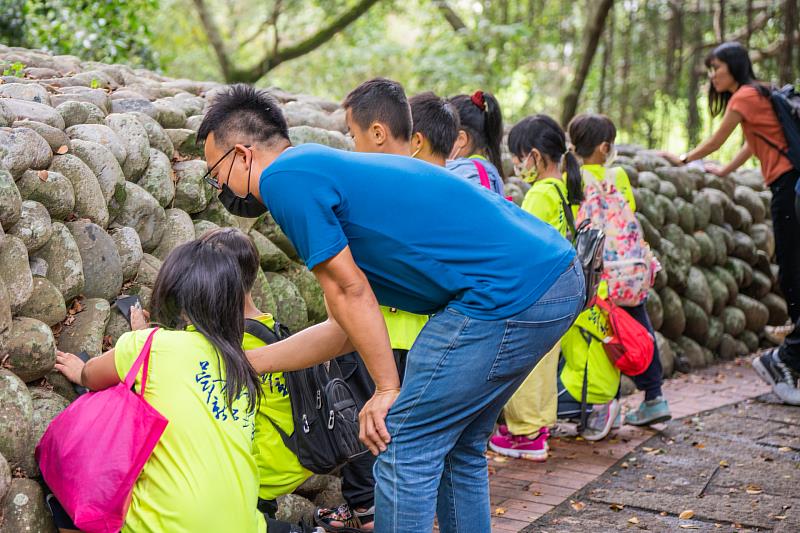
[279, 470]
[543, 201]
[201, 475]
[403, 327]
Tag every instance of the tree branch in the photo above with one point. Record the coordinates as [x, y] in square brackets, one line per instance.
[774, 48]
[452, 18]
[212, 32]
[275, 58]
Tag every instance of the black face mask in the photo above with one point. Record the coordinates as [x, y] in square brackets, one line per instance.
[247, 207]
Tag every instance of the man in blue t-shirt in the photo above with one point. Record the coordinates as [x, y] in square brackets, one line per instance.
[375, 229]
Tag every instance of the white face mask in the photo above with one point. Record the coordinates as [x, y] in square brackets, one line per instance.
[611, 156]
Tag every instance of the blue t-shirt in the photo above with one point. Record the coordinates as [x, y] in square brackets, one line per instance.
[425, 238]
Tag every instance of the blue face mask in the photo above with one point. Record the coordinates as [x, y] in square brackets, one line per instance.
[247, 207]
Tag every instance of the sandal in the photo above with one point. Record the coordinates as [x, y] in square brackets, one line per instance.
[353, 520]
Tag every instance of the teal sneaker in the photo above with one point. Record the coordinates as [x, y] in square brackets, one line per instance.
[617, 421]
[649, 412]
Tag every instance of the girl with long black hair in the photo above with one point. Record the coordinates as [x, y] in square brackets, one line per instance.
[476, 152]
[202, 475]
[743, 100]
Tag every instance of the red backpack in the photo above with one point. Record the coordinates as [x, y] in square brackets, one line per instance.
[630, 347]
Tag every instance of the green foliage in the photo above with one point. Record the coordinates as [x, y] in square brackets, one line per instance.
[15, 70]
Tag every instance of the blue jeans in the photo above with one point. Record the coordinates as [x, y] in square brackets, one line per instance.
[459, 375]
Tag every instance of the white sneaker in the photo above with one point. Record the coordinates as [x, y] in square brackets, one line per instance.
[600, 420]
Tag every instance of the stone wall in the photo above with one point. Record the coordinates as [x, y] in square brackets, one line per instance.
[100, 178]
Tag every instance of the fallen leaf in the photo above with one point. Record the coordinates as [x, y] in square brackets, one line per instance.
[537, 493]
[42, 175]
[724, 464]
[624, 465]
[779, 517]
[578, 506]
[686, 515]
[500, 460]
[633, 520]
[784, 449]
[63, 149]
[500, 511]
[689, 526]
[753, 489]
[649, 476]
[616, 507]
[699, 445]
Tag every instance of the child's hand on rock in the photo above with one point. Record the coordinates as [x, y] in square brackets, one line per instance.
[140, 319]
[70, 365]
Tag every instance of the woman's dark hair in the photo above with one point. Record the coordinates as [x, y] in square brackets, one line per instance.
[735, 56]
[587, 131]
[545, 135]
[200, 283]
[481, 118]
[241, 247]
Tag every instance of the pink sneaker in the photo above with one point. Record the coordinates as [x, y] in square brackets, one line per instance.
[520, 446]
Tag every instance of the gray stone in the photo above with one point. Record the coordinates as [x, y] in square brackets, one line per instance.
[32, 92]
[272, 258]
[148, 270]
[22, 149]
[89, 200]
[201, 227]
[293, 508]
[106, 169]
[117, 326]
[310, 290]
[193, 122]
[24, 509]
[184, 141]
[308, 134]
[97, 97]
[100, 134]
[137, 144]
[7, 117]
[46, 406]
[45, 303]
[5, 313]
[102, 267]
[55, 137]
[10, 200]
[178, 230]
[217, 214]
[65, 267]
[16, 410]
[143, 213]
[85, 333]
[158, 178]
[169, 114]
[15, 271]
[129, 248]
[189, 104]
[51, 189]
[131, 105]
[30, 349]
[34, 225]
[290, 306]
[270, 229]
[192, 193]
[74, 113]
[22, 109]
[262, 294]
[5, 477]
[38, 266]
[156, 134]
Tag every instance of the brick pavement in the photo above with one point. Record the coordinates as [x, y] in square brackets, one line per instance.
[522, 491]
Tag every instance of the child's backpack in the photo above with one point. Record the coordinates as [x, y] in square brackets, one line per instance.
[629, 264]
[484, 177]
[786, 103]
[324, 410]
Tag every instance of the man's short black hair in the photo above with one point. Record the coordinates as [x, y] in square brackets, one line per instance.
[381, 100]
[437, 120]
[242, 113]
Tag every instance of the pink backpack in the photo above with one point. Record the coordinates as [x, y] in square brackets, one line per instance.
[484, 177]
[93, 452]
[629, 264]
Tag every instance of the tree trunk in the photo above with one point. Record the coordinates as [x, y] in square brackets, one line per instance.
[719, 21]
[594, 28]
[605, 75]
[693, 89]
[787, 74]
[624, 101]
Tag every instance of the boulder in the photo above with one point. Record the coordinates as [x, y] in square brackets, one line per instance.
[764, 238]
[727, 347]
[45, 303]
[65, 266]
[309, 289]
[46, 406]
[730, 282]
[666, 355]
[651, 234]
[34, 226]
[178, 230]
[267, 226]
[692, 353]
[217, 214]
[24, 508]
[89, 200]
[309, 134]
[696, 322]
[143, 213]
[169, 115]
[5, 477]
[100, 134]
[31, 92]
[685, 215]
[676, 263]
[51, 189]
[715, 330]
[30, 349]
[102, 266]
[679, 177]
[734, 320]
[15, 271]
[56, 138]
[184, 141]
[708, 251]
[272, 258]
[718, 290]
[116, 327]
[294, 509]
[5, 313]
[98, 97]
[290, 306]
[22, 149]
[24, 109]
[750, 340]
[778, 311]
[674, 317]
[702, 210]
[756, 313]
[129, 248]
[742, 272]
[85, 333]
[137, 144]
[262, 295]
[74, 113]
[158, 178]
[16, 410]
[133, 105]
[10, 200]
[155, 133]
[698, 290]
[760, 286]
[749, 199]
[106, 169]
[192, 193]
[744, 248]
[201, 227]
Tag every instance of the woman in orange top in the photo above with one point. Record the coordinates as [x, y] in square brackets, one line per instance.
[735, 91]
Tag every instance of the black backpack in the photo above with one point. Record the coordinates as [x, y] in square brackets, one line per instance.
[786, 103]
[324, 410]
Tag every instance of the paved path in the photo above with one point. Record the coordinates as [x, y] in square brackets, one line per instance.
[522, 491]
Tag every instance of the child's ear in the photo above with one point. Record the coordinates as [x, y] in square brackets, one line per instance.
[417, 141]
[378, 133]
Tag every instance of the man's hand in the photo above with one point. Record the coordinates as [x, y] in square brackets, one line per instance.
[70, 365]
[372, 420]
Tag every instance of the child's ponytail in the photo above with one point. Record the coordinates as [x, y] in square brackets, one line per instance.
[493, 131]
[572, 168]
[482, 120]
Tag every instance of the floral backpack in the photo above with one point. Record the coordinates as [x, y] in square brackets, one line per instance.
[629, 264]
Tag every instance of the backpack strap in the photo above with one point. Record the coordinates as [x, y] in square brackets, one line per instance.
[482, 174]
[261, 331]
[567, 210]
[783, 152]
[587, 336]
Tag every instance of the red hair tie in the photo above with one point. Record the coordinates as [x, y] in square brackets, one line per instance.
[478, 99]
